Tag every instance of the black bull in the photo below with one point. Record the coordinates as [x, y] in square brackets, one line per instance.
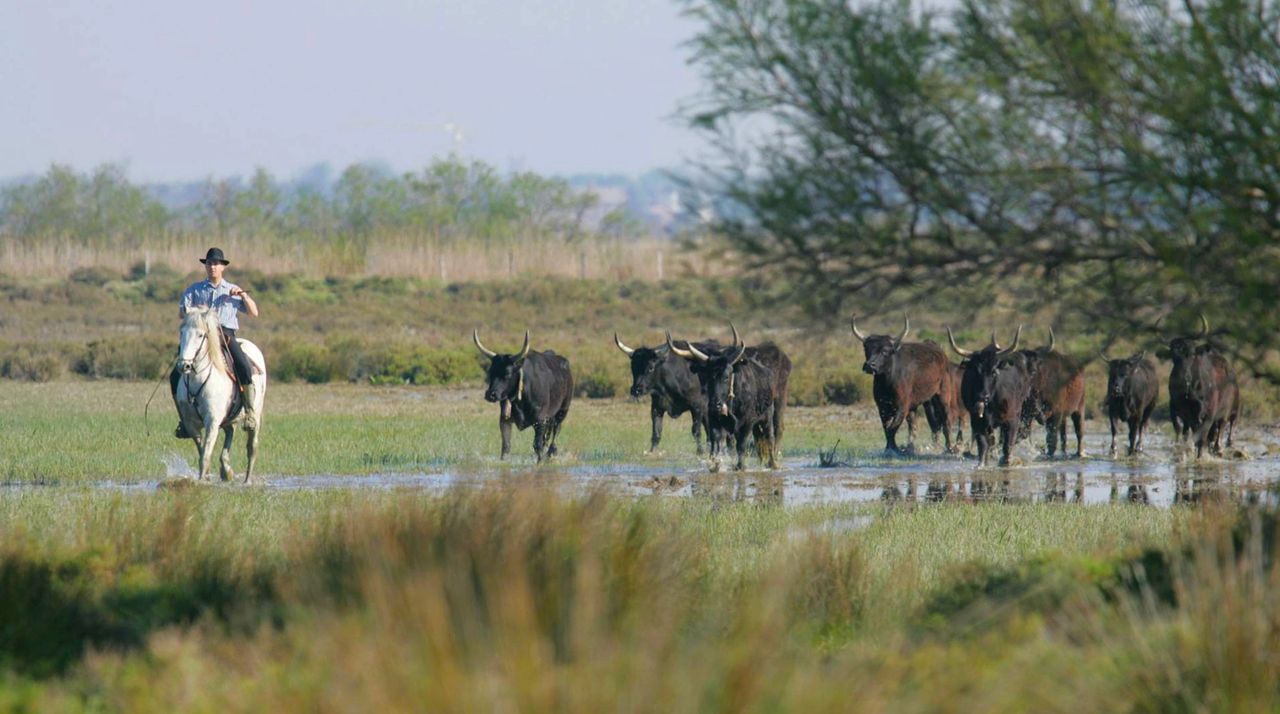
[672, 386]
[1132, 387]
[746, 393]
[906, 375]
[995, 386]
[534, 389]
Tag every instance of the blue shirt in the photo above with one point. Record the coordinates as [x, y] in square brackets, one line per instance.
[205, 294]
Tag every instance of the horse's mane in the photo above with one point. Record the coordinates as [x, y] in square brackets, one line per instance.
[206, 320]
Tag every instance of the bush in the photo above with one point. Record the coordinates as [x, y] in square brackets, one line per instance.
[94, 275]
[30, 363]
[126, 358]
[301, 362]
[596, 384]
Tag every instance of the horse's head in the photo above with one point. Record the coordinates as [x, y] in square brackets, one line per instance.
[197, 335]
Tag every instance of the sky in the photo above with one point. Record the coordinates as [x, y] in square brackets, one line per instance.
[180, 90]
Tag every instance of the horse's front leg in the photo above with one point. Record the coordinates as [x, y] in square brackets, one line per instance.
[228, 432]
[208, 440]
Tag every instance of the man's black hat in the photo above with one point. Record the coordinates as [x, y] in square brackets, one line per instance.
[215, 255]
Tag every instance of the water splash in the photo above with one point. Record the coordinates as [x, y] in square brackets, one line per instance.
[175, 466]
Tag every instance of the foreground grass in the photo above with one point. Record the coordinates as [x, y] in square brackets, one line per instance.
[518, 599]
[93, 430]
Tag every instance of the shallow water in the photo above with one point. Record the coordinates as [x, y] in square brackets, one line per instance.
[1249, 473]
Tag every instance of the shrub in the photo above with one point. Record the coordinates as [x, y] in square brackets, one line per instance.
[595, 384]
[28, 362]
[301, 362]
[125, 358]
[94, 275]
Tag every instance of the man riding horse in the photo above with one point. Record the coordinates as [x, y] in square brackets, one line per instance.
[227, 300]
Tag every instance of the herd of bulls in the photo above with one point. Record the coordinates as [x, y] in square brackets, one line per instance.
[738, 393]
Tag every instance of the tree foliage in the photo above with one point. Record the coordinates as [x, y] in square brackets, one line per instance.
[1120, 156]
[448, 200]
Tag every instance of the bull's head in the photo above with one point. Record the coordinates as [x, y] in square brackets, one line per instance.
[645, 362]
[716, 372]
[1120, 371]
[506, 372]
[880, 349]
[1181, 350]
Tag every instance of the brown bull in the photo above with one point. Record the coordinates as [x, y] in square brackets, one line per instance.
[907, 375]
[1057, 392]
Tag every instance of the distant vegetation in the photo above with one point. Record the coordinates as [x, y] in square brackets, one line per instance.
[440, 220]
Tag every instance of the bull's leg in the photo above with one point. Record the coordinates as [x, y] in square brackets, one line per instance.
[1077, 423]
[1142, 425]
[944, 422]
[1051, 435]
[1135, 433]
[1007, 435]
[504, 427]
[911, 428]
[715, 441]
[779, 406]
[891, 427]
[743, 433]
[225, 460]
[655, 413]
[1112, 418]
[1231, 430]
[1215, 436]
[769, 447]
[539, 438]
[556, 421]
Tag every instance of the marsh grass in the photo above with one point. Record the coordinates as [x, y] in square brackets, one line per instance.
[78, 431]
[515, 598]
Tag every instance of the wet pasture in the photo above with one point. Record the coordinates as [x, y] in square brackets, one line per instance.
[1163, 476]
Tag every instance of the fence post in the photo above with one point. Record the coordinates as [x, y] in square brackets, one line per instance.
[444, 276]
[659, 266]
[146, 264]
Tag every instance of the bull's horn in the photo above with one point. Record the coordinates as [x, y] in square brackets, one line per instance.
[1016, 336]
[952, 338]
[742, 352]
[524, 351]
[854, 322]
[736, 341]
[475, 336]
[1142, 355]
[1103, 354]
[625, 350]
[1052, 340]
[1204, 326]
[691, 353]
[906, 327]
[993, 340]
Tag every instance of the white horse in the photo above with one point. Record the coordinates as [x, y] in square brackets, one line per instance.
[207, 396]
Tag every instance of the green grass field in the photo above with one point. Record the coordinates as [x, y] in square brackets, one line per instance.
[71, 431]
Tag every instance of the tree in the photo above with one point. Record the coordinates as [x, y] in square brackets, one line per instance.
[1120, 154]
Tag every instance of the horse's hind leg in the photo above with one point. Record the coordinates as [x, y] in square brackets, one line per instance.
[227, 433]
[251, 440]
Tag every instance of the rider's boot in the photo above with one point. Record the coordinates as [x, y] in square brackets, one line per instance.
[248, 396]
